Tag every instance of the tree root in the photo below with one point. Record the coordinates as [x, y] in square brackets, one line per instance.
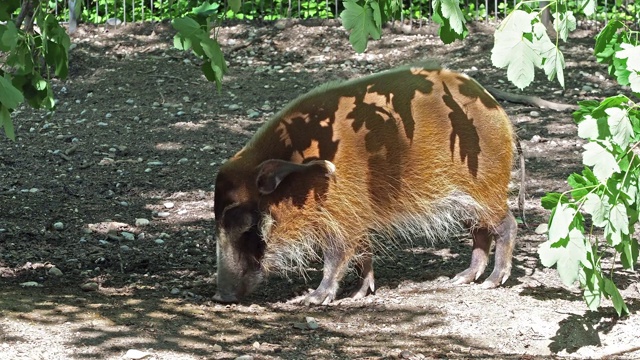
[529, 100]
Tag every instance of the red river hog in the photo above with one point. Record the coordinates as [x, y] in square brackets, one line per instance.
[351, 167]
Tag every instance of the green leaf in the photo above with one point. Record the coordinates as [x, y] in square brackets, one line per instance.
[603, 162]
[359, 20]
[613, 101]
[451, 11]
[634, 81]
[8, 7]
[213, 73]
[605, 36]
[618, 218]
[10, 97]
[587, 6]
[514, 51]
[598, 208]
[573, 255]
[592, 289]
[549, 255]
[518, 21]
[57, 56]
[628, 253]
[445, 32]
[206, 9]
[580, 186]
[8, 37]
[234, 5]
[560, 222]
[632, 54]
[564, 23]
[6, 123]
[181, 42]
[554, 66]
[551, 200]
[592, 298]
[611, 289]
[619, 126]
[212, 50]
[377, 14]
[187, 26]
[588, 128]
[567, 259]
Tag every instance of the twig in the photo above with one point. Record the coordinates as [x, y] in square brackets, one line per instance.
[529, 100]
[620, 352]
[24, 11]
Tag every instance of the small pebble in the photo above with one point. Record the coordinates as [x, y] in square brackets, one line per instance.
[164, 214]
[142, 222]
[128, 236]
[217, 348]
[125, 248]
[90, 286]
[169, 205]
[134, 354]
[311, 323]
[175, 291]
[55, 271]
[159, 241]
[542, 228]
[30, 284]
[58, 226]
[183, 161]
[155, 163]
[234, 107]
[534, 114]
[244, 357]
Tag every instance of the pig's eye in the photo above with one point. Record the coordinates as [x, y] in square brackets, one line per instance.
[252, 244]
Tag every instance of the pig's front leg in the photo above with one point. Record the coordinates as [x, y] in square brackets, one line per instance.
[335, 264]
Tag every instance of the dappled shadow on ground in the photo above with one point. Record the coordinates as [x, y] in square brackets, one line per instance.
[577, 331]
[109, 324]
[142, 135]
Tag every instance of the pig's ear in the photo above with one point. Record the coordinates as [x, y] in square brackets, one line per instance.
[272, 172]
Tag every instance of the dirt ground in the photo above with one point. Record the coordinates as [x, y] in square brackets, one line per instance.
[115, 190]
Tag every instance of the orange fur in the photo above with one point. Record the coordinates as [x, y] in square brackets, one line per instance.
[415, 149]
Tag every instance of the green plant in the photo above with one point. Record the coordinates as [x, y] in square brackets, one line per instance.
[195, 33]
[32, 56]
[608, 190]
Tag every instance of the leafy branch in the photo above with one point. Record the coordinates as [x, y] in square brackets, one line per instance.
[194, 33]
[30, 53]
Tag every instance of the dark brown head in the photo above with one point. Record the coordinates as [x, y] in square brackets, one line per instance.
[240, 210]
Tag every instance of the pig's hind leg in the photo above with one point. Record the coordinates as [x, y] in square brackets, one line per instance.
[366, 284]
[504, 235]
